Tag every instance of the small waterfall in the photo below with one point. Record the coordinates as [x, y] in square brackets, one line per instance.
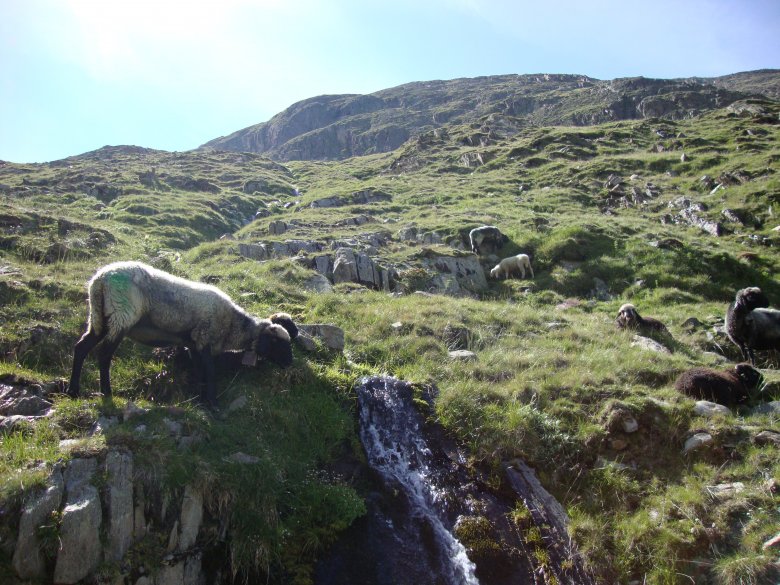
[419, 489]
[390, 430]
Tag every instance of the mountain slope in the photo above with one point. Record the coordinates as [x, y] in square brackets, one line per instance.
[341, 126]
[670, 215]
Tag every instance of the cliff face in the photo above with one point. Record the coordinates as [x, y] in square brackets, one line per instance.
[341, 126]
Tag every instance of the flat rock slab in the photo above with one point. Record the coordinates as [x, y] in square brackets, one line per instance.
[767, 438]
[709, 409]
[768, 408]
[648, 344]
[696, 442]
[726, 490]
[462, 355]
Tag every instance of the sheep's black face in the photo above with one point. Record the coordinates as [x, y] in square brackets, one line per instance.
[285, 321]
[752, 298]
[627, 317]
[749, 375]
[275, 347]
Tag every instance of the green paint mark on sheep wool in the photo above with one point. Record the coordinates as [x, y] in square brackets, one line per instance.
[119, 287]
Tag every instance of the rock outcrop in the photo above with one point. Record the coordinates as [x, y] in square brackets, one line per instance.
[83, 525]
[28, 560]
[455, 274]
[80, 550]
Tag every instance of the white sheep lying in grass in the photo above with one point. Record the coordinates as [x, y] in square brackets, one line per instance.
[512, 265]
[156, 308]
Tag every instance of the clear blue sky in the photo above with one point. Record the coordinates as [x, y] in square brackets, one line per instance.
[76, 75]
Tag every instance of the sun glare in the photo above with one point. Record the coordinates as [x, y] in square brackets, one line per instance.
[125, 35]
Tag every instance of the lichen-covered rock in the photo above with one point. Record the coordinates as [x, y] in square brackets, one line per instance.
[286, 249]
[709, 409]
[629, 425]
[724, 491]
[690, 213]
[191, 517]
[328, 202]
[344, 266]
[330, 335]
[768, 408]
[456, 275]
[359, 267]
[277, 227]
[462, 355]
[28, 561]
[697, 441]
[648, 344]
[318, 283]
[767, 438]
[119, 469]
[80, 548]
[21, 400]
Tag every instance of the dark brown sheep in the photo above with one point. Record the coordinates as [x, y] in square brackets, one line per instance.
[728, 387]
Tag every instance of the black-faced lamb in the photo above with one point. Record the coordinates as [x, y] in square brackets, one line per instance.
[131, 299]
[629, 318]
[728, 387]
[487, 239]
[513, 265]
[751, 325]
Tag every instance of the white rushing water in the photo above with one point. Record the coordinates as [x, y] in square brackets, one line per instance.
[390, 433]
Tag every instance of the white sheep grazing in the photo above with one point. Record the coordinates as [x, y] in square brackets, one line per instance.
[513, 264]
[156, 308]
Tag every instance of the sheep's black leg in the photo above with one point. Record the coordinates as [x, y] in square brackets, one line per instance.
[105, 354]
[208, 395]
[747, 354]
[83, 346]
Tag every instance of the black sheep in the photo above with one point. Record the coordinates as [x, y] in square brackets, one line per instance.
[751, 325]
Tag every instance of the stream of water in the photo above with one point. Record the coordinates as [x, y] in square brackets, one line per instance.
[397, 450]
[420, 489]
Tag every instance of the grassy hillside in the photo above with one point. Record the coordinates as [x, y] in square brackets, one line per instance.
[599, 211]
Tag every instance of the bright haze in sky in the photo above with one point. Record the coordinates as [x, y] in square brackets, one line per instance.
[76, 75]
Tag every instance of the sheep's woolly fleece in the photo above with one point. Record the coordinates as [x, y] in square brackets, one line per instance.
[123, 293]
[512, 265]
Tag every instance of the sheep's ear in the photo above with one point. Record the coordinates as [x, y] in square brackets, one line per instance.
[285, 321]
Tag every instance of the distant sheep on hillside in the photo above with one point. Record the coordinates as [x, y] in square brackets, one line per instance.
[730, 387]
[512, 265]
[751, 325]
[158, 309]
[629, 318]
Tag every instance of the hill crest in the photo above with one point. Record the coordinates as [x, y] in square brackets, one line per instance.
[336, 127]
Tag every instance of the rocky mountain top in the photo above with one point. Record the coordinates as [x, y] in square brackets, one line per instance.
[331, 127]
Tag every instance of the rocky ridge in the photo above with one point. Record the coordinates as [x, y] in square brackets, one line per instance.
[332, 127]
